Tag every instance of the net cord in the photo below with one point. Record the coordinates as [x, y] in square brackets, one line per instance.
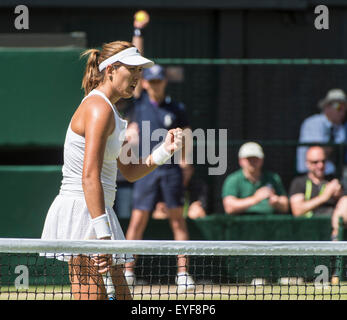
[171, 247]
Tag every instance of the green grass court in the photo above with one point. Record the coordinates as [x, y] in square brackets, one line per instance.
[202, 292]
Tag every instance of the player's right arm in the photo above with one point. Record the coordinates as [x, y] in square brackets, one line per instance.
[143, 166]
[98, 123]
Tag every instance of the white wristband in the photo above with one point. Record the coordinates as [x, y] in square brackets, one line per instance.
[102, 226]
[160, 155]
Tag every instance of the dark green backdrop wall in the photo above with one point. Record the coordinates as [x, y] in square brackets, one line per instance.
[39, 91]
[26, 194]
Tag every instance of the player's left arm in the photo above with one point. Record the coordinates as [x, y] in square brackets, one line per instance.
[134, 171]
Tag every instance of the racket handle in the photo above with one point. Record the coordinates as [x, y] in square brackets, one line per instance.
[109, 285]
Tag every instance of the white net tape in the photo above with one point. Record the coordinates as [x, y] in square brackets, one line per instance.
[152, 247]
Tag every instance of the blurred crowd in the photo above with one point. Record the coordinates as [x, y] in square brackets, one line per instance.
[317, 190]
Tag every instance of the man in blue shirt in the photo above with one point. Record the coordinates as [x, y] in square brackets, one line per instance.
[326, 127]
[154, 110]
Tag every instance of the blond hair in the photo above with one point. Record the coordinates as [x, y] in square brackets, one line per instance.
[92, 76]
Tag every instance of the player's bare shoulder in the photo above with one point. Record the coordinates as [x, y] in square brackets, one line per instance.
[94, 111]
[96, 106]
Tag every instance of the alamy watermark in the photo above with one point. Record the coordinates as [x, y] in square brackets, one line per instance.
[22, 19]
[322, 20]
[323, 276]
[22, 281]
[211, 147]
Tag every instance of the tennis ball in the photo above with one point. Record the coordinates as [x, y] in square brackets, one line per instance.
[140, 16]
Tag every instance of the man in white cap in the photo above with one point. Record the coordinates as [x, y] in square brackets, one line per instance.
[326, 127]
[251, 190]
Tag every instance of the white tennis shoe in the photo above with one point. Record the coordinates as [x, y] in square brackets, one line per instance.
[184, 282]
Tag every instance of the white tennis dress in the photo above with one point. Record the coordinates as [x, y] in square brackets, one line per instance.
[68, 217]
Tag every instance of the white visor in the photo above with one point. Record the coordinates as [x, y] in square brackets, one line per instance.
[130, 56]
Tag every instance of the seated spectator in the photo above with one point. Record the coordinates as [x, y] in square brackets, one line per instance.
[196, 194]
[316, 193]
[250, 189]
[326, 127]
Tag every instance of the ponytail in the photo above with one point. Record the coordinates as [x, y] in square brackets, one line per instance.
[92, 75]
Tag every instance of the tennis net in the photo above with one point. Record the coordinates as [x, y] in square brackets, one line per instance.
[33, 269]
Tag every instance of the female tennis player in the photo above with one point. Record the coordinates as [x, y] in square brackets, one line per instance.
[95, 135]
